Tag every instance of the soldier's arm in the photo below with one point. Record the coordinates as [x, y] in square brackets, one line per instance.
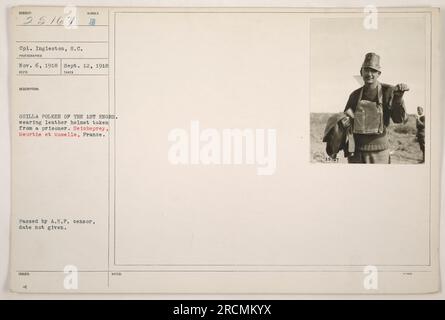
[349, 110]
[350, 103]
[397, 104]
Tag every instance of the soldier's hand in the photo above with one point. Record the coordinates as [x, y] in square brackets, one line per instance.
[400, 89]
[346, 122]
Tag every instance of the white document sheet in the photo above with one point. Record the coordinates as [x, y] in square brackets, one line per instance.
[181, 150]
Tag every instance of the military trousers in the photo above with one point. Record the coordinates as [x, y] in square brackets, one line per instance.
[382, 156]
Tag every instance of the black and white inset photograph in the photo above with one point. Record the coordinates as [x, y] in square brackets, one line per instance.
[369, 90]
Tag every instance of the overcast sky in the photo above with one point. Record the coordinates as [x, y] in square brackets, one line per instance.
[338, 47]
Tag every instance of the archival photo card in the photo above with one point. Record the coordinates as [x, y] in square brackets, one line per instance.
[207, 150]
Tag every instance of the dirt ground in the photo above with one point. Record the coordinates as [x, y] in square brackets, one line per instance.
[404, 147]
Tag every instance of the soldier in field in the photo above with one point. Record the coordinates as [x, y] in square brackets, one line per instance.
[370, 110]
[420, 126]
